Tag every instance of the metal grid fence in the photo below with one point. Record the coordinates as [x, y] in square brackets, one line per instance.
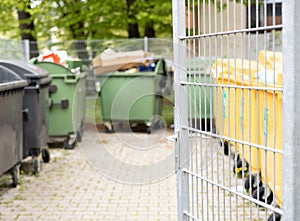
[229, 119]
[13, 49]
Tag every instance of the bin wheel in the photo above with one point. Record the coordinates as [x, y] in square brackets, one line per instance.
[108, 127]
[78, 136]
[81, 129]
[259, 194]
[73, 144]
[158, 123]
[108, 130]
[36, 164]
[148, 130]
[251, 183]
[240, 165]
[15, 173]
[66, 144]
[46, 155]
[225, 146]
[274, 217]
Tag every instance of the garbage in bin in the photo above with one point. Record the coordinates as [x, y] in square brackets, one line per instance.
[67, 108]
[11, 131]
[36, 109]
[110, 60]
[134, 96]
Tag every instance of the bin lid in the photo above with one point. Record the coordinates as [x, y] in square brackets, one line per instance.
[10, 79]
[59, 71]
[125, 74]
[53, 68]
[25, 70]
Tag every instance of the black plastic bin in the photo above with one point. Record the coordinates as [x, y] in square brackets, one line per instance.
[35, 109]
[11, 131]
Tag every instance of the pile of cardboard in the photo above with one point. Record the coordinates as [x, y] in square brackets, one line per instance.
[110, 60]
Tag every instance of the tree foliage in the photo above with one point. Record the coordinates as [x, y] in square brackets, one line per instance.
[86, 19]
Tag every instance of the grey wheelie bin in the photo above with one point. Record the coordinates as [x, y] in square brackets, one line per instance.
[35, 109]
[67, 111]
[11, 132]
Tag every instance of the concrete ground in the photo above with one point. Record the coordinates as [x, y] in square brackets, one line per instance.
[118, 176]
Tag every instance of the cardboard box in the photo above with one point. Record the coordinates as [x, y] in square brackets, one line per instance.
[110, 60]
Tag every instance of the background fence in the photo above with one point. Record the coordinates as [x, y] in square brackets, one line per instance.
[86, 50]
[13, 49]
[229, 96]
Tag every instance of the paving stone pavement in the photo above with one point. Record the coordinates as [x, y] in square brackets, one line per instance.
[73, 187]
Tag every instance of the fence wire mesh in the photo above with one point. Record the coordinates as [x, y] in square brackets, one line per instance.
[229, 94]
[86, 50]
[12, 49]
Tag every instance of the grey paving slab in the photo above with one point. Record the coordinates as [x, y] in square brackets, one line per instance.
[74, 187]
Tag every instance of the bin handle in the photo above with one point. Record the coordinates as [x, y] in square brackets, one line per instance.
[25, 114]
[71, 78]
[164, 79]
[36, 87]
[64, 103]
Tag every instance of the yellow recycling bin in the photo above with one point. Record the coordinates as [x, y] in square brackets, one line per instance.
[271, 162]
[225, 106]
[272, 130]
[252, 115]
[250, 122]
[236, 106]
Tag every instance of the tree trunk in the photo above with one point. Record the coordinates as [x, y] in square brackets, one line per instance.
[133, 27]
[80, 42]
[27, 28]
[81, 49]
[149, 29]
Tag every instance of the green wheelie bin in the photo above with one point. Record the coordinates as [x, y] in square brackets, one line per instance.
[67, 108]
[134, 97]
[200, 109]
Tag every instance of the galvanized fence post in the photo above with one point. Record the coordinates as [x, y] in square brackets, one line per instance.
[26, 50]
[181, 119]
[291, 110]
[146, 44]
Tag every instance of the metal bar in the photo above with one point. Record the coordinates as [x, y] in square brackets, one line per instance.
[180, 115]
[211, 114]
[233, 140]
[249, 95]
[191, 216]
[26, 50]
[233, 86]
[291, 110]
[230, 190]
[256, 58]
[246, 30]
[146, 44]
